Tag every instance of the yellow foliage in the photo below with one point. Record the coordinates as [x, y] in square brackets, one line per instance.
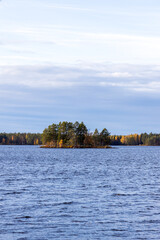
[61, 143]
[123, 139]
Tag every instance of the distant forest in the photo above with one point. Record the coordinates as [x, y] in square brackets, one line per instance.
[136, 139]
[20, 138]
[76, 135]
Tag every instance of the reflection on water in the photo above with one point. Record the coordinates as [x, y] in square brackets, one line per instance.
[79, 193]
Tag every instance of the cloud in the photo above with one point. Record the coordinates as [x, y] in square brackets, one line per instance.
[31, 45]
[106, 10]
[114, 75]
[45, 31]
[122, 97]
[70, 7]
[127, 77]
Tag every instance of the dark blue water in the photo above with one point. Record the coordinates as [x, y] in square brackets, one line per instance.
[79, 193]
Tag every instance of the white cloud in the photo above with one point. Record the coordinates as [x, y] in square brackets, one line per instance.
[69, 7]
[64, 44]
[103, 10]
[52, 30]
[115, 74]
[129, 77]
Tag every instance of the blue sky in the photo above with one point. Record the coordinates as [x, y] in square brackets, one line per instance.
[96, 61]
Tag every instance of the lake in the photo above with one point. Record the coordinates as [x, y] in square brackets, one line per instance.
[81, 194]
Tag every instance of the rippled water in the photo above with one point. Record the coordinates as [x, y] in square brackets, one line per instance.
[79, 193]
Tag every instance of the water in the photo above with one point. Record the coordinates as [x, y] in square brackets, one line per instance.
[68, 194]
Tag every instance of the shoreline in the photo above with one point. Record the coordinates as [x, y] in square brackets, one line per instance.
[80, 147]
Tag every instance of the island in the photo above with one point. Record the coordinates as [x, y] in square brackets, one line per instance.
[74, 135]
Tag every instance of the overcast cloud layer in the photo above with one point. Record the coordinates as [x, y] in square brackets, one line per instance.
[97, 62]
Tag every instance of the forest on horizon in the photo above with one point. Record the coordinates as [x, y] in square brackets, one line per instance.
[67, 134]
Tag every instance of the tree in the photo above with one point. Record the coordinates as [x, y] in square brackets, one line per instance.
[104, 136]
[81, 131]
[96, 138]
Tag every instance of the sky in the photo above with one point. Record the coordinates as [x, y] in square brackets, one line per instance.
[96, 61]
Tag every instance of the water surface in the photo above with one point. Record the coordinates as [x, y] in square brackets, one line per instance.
[68, 194]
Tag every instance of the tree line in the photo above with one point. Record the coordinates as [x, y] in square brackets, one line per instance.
[74, 135]
[136, 139]
[20, 138]
[68, 134]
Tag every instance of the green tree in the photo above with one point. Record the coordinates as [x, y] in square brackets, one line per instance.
[104, 136]
[96, 138]
[80, 132]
